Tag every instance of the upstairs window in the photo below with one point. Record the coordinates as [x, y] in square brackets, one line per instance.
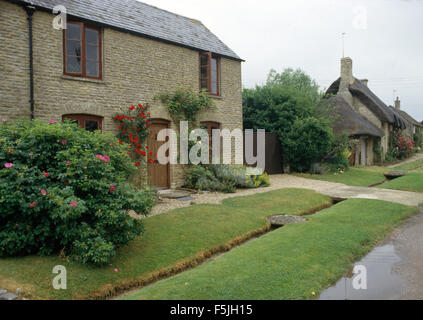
[209, 73]
[82, 50]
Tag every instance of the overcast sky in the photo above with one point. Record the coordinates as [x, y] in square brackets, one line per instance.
[383, 37]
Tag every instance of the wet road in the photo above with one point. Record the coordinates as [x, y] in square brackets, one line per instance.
[394, 268]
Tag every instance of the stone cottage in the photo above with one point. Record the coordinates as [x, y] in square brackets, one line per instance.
[413, 127]
[362, 115]
[113, 54]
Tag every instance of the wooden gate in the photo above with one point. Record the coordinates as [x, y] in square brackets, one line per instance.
[273, 153]
[158, 174]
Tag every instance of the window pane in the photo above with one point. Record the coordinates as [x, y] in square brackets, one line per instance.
[73, 48]
[92, 68]
[91, 52]
[73, 31]
[91, 125]
[73, 64]
[91, 36]
[214, 76]
[204, 59]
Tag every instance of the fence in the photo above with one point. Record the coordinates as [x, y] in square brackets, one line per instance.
[273, 153]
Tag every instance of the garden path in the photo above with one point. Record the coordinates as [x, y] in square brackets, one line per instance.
[335, 190]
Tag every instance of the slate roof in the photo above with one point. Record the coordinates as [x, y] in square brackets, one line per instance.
[348, 121]
[143, 19]
[368, 98]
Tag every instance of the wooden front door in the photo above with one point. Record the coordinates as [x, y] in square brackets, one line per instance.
[158, 174]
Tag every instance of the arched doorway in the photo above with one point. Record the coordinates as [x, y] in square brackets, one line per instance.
[158, 174]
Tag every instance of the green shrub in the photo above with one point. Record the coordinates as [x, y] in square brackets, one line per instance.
[224, 178]
[308, 142]
[63, 188]
[339, 157]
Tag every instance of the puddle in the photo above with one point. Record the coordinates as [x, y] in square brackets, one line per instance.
[382, 283]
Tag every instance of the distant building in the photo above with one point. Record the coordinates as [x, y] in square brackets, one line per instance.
[362, 115]
[413, 127]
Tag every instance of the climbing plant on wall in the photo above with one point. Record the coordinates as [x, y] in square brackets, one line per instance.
[134, 129]
[185, 104]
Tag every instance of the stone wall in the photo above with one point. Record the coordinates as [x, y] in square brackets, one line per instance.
[135, 69]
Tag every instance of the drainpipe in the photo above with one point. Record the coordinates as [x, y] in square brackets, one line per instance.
[30, 11]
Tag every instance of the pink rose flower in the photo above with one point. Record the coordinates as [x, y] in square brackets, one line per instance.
[43, 192]
[68, 163]
[112, 188]
[33, 205]
[46, 174]
[3, 120]
[51, 121]
[64, 142]
[8, 165]
[116, 270]
[73, 204]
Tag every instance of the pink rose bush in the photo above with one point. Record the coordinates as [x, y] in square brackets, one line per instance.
[66, 188]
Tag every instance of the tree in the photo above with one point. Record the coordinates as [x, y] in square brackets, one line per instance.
[289, 102]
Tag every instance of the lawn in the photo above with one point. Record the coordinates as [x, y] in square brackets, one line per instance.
[411, 182]
[173, 242]
[411, 165]
[291, 262]
[360, 177]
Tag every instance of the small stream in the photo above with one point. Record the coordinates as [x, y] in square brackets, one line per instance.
[382, 283]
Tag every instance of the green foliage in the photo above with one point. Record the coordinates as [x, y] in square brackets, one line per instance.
[309, 140]
[225, 178]
[339, 157]
[287, 103]
[377, 150]
[64, 188]
[418, 139]
[185, 104]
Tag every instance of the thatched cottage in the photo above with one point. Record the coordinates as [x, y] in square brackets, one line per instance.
[413, 127]
[112, 55]
[361, 115]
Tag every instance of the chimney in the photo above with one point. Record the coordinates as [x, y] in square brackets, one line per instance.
[346, 79]
[398, 104]
[365, 82]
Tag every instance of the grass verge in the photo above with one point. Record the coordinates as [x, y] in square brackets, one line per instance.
[411, 182]
[410, 166]
[359, 177]
[173, 242]
[291, 262]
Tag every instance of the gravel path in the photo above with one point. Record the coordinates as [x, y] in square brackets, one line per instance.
[331, 189]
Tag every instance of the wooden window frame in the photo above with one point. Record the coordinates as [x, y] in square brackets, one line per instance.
[81, 118]
[211, 56]
[210, 126]
[83, 73]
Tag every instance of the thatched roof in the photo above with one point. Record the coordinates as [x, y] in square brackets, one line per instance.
[409, 119]
[348, 121]
[369, 99]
